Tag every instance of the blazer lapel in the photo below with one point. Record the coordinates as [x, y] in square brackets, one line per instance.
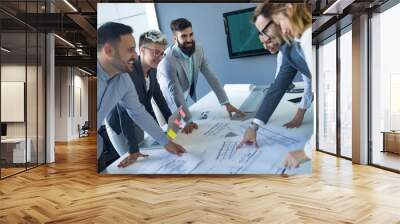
[183, 66]
[195, 67]
[140, 79]
[152, 78]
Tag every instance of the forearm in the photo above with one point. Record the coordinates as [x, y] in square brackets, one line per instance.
[276, 91]
[129, 129]
[143, 119]
[301, 112]
[270, 102]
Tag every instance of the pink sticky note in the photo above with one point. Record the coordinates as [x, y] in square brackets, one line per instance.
[182, 113]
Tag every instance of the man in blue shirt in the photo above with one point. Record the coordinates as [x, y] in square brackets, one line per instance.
[115, 57]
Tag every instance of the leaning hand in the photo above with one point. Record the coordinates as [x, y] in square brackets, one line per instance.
[175, 148]
[231, 109]
[249, 138]
[295, 158]
[297, 119]
[189, 127]
[131, 158]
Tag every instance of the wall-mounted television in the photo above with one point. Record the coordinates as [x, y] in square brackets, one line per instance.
[242, 35]
[3, 129]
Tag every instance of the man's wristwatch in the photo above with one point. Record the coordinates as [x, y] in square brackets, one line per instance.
[254, 126]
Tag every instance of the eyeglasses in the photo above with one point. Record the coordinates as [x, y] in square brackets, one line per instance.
[264, 32]
[156, 53]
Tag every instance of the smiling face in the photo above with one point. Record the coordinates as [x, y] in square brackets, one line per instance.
[185, 40]
[124, 54]
[269, 34]
[152, 53]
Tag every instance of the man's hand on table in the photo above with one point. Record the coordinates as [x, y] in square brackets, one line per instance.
[175, 148]
[231, 109]
[297, 119]
[190, 127]
[249, 137]
[130, 159]
[295, 158]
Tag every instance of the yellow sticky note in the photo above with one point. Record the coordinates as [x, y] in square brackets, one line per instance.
[171, 133]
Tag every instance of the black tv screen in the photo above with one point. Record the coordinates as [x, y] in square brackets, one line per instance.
[3, 129]
[242, 35]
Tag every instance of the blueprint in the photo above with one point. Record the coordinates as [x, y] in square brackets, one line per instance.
[220, 129]
[270, 137]
[212, 149]
[159, 162]
[227, 159]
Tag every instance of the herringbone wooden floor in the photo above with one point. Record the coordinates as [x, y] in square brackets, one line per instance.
[70, 191]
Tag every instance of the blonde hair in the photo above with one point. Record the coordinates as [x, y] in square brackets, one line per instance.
[300, 17]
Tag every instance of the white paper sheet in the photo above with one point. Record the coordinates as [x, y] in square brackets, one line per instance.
[212, 150]
[225, 158]
[159, 162]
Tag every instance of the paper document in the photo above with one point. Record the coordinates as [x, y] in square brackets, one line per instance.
[223, 129]
[159, 162]
[269, 136]
[216, 128]
[228, 159]
[174, 164]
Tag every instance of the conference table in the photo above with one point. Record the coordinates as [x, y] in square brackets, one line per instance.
[211, 149]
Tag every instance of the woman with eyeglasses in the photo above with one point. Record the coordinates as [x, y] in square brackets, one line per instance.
[294, 21]
[281, 28]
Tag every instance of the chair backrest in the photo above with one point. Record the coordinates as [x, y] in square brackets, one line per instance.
[86, 125]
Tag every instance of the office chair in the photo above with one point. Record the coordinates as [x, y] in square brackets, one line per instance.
[84, 130]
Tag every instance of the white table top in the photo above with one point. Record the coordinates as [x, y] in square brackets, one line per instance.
[198, 145]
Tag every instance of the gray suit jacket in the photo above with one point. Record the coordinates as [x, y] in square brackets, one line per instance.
[171, 74]
[292, 62]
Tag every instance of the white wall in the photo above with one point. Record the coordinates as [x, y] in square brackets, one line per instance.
[80, 84]
[141, 17]
[12, 100]
[68, 83]
[61, 106]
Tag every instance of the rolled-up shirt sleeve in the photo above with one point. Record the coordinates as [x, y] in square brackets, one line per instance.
[258, 122]
[308, 150]
[307, 99]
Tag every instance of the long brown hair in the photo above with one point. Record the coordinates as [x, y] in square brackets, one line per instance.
[300, 18]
